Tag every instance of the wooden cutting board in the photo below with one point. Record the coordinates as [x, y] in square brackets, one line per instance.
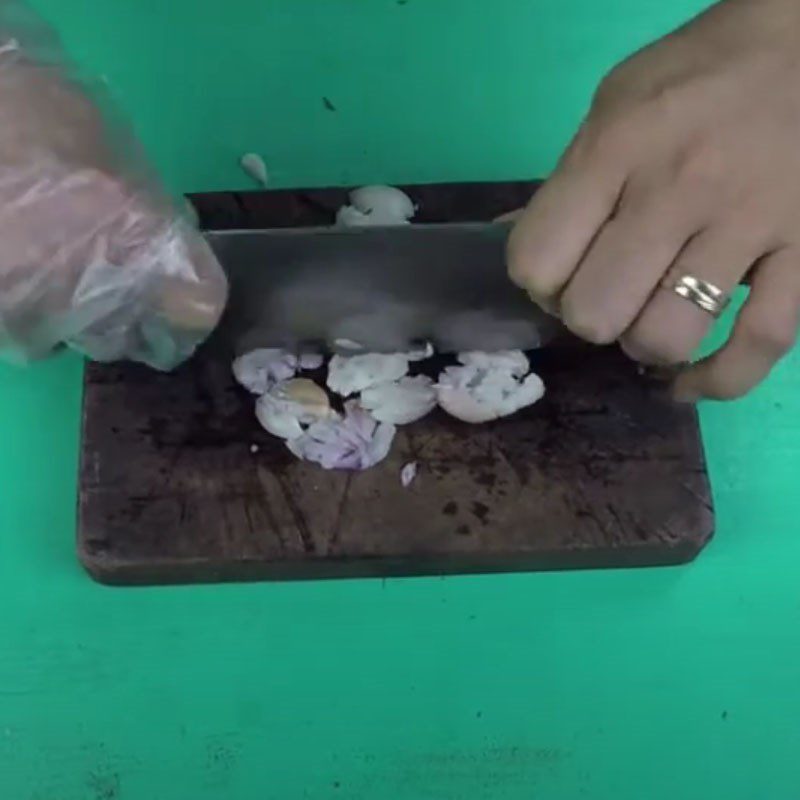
[178, 482]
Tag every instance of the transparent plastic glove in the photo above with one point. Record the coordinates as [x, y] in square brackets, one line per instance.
[92, 252]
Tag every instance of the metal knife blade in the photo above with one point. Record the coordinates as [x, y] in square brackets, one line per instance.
[376, 289]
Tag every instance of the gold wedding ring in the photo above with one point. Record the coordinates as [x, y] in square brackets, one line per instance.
[703, 294]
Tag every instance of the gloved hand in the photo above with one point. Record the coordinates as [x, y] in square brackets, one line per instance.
[92, 253]
[687, 165]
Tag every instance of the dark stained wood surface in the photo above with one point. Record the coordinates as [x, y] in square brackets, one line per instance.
[605, 471]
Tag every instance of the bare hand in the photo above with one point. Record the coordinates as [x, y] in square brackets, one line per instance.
[687, 164]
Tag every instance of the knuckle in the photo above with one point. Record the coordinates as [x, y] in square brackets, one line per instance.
[700, 163]
[613, 86]
[529, 272]
[653, 348]
[585, 325]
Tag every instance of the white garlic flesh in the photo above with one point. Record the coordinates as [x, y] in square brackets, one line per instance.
[376, 205]
[421, 353]
[310, 361]
[400, 402]
[352, 374]
[388, 202]
[354, 442]
[515, 361]
[475, 395]
[408, 473]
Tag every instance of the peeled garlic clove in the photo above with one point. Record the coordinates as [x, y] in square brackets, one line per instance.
[260, 369]
[515, 361]
[400, 402]
[354, 442]
[254, 166]
[352, 374]
[386, 202]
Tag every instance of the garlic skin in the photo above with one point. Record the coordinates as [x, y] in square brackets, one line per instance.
[376, 205]
[289, 407]
[354, 442]
[400, 402]
[254, 166]
[352, 374]
[475, 395]
[261, 369]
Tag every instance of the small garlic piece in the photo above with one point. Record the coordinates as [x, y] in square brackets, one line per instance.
[254, 166]
[408, 473]
[400, 402]
[352, 374]
[288, 407]
[354, 442]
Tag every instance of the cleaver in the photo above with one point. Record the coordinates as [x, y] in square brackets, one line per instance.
[375, 289]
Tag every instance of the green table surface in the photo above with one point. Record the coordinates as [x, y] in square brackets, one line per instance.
[674, 683]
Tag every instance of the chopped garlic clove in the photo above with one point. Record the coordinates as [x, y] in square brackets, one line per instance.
[386, 202]
[479, 395]
[400, 402]
[352, 374]
[261, 369]
[355, 442]
[254, 166]
[515, 361]
[289, 406]
[408, 473]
